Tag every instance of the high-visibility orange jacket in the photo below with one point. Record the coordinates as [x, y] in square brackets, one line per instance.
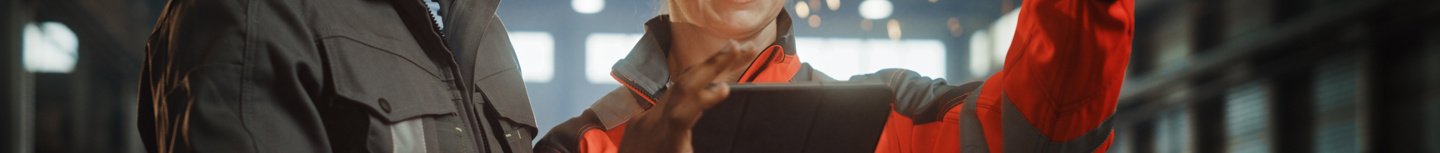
[1061, 79]
[1056, 93]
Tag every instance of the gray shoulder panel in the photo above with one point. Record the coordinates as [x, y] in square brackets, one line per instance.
[972, 134]
[1021, 136]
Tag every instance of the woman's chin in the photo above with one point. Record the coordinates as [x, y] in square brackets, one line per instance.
[739, 27]
[736, 30]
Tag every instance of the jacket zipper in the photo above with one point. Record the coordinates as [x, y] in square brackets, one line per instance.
[431, 14]
[471, 113]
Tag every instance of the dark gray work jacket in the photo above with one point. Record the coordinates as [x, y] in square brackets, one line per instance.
[315, 76]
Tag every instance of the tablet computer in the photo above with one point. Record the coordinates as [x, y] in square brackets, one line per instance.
[794, 118]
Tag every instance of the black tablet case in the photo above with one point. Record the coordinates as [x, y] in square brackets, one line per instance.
[794, 118]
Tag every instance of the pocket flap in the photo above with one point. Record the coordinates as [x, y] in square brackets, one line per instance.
[393, 79]
[497, 78]
[506, 92]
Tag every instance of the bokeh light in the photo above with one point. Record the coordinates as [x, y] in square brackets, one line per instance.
[802, 9]
[866, 24]
[587, 6]
[954, 25]
[876, 9]
[833, 4]
[814, 21]
[893, 27]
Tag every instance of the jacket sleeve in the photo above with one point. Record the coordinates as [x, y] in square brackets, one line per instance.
[918, 97]
[582, 134]
[1061, 78]
[586, 133]
[231, 76]
[924, 115]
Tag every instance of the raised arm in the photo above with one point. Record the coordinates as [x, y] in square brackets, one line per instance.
[1056, 92]
[1061, 79]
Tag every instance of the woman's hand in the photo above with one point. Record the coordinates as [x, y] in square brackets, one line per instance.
[665, 128]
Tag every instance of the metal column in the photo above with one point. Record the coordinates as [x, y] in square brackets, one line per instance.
[14, 99]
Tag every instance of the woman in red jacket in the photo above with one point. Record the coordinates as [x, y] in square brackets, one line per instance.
[1056, 92]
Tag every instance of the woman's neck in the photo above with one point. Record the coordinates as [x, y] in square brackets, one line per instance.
[691, 45]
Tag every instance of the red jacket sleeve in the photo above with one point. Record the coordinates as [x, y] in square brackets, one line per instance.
[1063, 71]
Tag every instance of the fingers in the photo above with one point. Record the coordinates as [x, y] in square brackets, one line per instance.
[713, 68]
[744, 53]
[712, 96]
[708, 80]
[696, 89]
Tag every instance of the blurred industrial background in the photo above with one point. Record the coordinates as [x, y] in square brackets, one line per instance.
[1204, 75]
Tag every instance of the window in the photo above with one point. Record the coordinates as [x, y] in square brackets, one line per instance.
[1335, 107]
[602, 50]
[1247, 118]
[50, 47]
[844, 57]
[535, 51]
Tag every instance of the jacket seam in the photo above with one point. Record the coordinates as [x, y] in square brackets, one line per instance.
[891, 80]
[552, 149]
[940, 115]
[248, 51]
[487, 76]
[580, 134]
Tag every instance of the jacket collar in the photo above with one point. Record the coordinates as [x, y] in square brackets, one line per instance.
[646, 73]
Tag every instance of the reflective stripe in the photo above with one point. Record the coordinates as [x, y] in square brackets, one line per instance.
[408, 136]
[1021, 136]
[972, 135]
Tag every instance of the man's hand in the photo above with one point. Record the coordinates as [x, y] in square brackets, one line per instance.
[665, 128]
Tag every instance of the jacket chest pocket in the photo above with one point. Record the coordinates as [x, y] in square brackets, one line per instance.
[393, 79]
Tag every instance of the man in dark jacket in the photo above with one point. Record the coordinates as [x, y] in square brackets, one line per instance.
[319, 76]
